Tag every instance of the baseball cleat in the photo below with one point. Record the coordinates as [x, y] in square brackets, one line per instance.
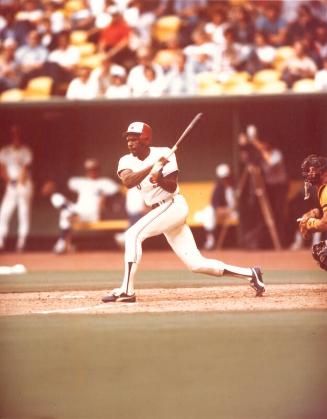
[256, 281]
[119, 298]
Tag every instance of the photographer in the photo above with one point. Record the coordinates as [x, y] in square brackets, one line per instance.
[261, 157]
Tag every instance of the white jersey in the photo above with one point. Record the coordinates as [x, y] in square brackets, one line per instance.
[90, 191]
[15, 159]
[152, 193]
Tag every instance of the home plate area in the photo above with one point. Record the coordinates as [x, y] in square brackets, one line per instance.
[224, 298]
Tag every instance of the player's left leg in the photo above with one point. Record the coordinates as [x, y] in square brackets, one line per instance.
[24, 213]
[166, 216]
[7, 208]
[182, 242]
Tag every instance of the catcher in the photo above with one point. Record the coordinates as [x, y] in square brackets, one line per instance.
[314, 172]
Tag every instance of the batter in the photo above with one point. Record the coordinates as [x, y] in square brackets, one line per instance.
[146, 168]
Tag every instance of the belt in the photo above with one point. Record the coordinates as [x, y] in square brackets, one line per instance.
[164, 201]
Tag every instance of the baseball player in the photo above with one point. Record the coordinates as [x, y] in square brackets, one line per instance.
[15, 162]
[314, 172]
[147, 168]
[91, 192]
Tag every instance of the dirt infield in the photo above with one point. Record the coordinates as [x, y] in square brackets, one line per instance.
[206, 299]
[223, 298]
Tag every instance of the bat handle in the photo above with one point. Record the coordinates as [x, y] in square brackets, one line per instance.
[172, 151]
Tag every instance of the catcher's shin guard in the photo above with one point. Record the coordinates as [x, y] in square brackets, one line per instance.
[319, 253]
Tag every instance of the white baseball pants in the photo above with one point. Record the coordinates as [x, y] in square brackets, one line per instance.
[18, 195]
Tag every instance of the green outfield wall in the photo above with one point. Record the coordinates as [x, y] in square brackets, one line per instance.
[64, 133]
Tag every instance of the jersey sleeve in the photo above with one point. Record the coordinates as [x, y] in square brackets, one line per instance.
[171, 166]
[323, 198]
[75, 183]
[123, 164]
[108, 187]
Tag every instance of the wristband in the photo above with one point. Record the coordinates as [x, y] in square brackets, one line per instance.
[312, 223]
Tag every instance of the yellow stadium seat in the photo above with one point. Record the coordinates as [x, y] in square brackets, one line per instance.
[238, 77]
[266, 76]
[78, 37]
[165, 58]
[205, 79]
[242, 88]
[12, 95]
[277, 86]
[72, 6]
[92, 61]
[86, 49]
[210, 90]
[39, 88]
[166, 28]
[304, 86]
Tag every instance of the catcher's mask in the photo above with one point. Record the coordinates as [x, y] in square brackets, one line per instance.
[312, 169]
[142, 129]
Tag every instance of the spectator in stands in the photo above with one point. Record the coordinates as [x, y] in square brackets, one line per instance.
[231, 58]
[100, 76]
[151, 85]
[272, 24]
[14, 29]
[262, 55]
[114, 38]
[137, 73]
[47, 37]
[298, 67]
[31, 57]
[66, 56]
[9, 75]
[30, 12]
[118, 88]
[82, 19]
[320, 41]
[321, 77]
[222, 205]
[180, 79]
[202, 52]
[242, 25]
[80, 88]
[216, 26]
[304, 24]
[91, 190]
[56, 17]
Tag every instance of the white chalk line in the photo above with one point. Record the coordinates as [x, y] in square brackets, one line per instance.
[81, 309]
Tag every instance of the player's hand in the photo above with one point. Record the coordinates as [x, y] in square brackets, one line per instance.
[305, 233]
[156, 171]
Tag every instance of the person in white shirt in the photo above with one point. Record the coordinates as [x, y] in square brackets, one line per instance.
[321, 77]
[65, 55]
[147, 168]
[15, 161]
[118, 88]
[91, 191]
[150, 85]
[81, 88]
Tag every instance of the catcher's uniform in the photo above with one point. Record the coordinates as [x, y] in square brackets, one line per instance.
[168, 216]
[322, 196]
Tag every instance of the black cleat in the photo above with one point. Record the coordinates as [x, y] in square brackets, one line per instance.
[119, 298]
[257, 281]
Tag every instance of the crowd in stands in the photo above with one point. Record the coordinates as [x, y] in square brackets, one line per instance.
[85, 49]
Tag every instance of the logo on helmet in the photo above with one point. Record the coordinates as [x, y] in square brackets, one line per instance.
[142, 129]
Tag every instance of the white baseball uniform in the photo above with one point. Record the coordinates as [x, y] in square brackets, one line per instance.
[168, 216]
[18, 193]
[90, 192]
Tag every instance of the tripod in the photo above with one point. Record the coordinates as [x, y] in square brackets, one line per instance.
[253, 172]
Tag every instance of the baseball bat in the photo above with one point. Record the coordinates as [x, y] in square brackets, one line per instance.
[187, 130]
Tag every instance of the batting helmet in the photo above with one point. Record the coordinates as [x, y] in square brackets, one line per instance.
[142, 129]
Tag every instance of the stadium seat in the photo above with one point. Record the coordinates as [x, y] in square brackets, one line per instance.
[12, 95]
[86, 49]
[210, 90]
[39, 88]
[72, 6]
[241, 88]
[277, 86]
[304, 86]
[282, 54]
[92, 61]
[266, 76]
[165, 58]
[78, 37]
[166, 28]
[205, 79]
[238, 77]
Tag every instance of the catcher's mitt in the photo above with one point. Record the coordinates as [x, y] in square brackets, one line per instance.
[319, 253]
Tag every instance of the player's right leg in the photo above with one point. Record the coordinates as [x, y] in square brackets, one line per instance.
[7, 209]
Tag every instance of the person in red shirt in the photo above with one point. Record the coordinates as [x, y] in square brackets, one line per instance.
[114, 38]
